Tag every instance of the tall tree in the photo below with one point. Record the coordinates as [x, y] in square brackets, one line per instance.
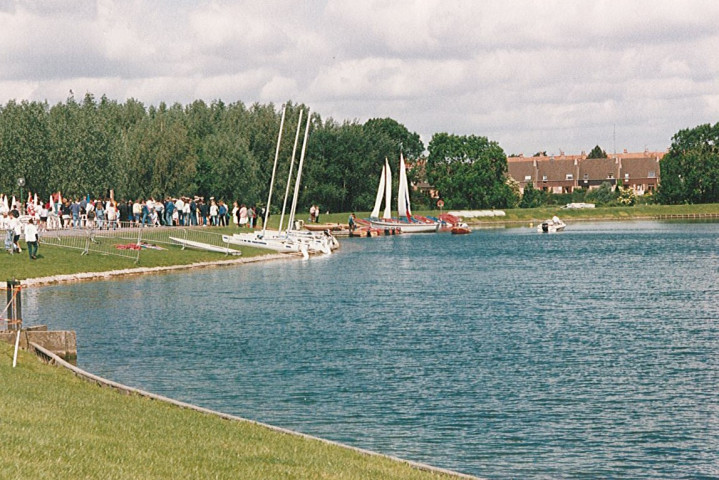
[397, 135]
[469, 171]
[597, 152]
[690, 170]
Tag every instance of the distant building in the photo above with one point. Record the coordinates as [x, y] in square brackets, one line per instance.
[564, 173]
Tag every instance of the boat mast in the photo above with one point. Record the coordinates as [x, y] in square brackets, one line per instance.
[274, 169]
[292, 164]
[299, 174]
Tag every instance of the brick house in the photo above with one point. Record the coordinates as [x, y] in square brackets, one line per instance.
[563, 173]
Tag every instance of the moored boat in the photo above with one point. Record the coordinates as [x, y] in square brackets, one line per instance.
[551, 225]
[460, 229]
[405, 223]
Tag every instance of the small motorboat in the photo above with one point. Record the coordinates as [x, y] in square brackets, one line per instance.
[460, 229]
[551, 225]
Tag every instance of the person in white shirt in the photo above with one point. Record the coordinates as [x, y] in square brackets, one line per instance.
[31, 239]
[180, 209]
[16, 227]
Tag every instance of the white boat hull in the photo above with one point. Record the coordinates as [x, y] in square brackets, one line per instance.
[406, 227]
[551, 227]
[252, 240]
[290, 242]
[205, 246]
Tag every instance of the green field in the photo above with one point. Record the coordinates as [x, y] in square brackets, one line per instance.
[54, 425]
[53, 260]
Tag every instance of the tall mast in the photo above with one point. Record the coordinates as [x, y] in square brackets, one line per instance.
[289, 177]
[299, 173]
[274, 169]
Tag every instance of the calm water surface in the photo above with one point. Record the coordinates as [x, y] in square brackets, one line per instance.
[593, 353]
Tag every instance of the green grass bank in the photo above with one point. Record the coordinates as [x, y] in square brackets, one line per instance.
[57, 426]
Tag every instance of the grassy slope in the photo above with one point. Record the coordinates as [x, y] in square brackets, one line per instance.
[54, 260]
[54, 425]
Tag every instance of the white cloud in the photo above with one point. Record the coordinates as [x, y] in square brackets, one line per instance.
[531, 74]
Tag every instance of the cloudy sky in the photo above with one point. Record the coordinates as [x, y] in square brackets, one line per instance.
[533, 75]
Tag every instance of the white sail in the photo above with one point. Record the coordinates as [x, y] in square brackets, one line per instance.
[380, 193]
[388, 191]
[403, 207]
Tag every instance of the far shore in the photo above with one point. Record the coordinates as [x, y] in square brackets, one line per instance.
[56, 265]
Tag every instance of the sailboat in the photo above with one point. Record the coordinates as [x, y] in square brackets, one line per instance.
[288, 241]
[405, 223]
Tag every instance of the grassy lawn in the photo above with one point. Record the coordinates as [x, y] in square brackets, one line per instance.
[54, 425]
[53, 260]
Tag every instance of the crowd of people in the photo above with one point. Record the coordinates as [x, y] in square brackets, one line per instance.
[34, 216]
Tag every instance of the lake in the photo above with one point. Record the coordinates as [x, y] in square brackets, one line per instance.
[592, 353]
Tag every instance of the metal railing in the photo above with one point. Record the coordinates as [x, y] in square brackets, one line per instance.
[127, 239]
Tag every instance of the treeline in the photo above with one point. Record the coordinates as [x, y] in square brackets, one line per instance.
[218, 149]
[227, 151]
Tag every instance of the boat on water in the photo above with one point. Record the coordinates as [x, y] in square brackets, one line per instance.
[205, 246]
[405, 223]
[460, 228]
[324, 227]
[281, 245]
[291, 240]
[551, 225]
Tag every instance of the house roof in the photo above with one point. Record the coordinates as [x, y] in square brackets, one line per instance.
[520, 170]
[640, 167]
[556, 169]
[598, 168]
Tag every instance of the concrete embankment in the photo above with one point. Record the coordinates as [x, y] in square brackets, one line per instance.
[84, 276]
[62, 343]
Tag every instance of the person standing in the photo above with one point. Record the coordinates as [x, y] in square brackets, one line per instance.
[169, 211]
[253, 216]
[243, 215]
[137, 211]
[75, 210]
[31, 239]
[214, 210]
[222, 213]
[16, 226]
[235, 214]
[193, 212]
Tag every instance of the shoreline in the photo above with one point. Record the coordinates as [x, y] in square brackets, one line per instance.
[477, 222]
[109, 274]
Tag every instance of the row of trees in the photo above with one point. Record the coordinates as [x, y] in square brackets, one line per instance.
[227, 151]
